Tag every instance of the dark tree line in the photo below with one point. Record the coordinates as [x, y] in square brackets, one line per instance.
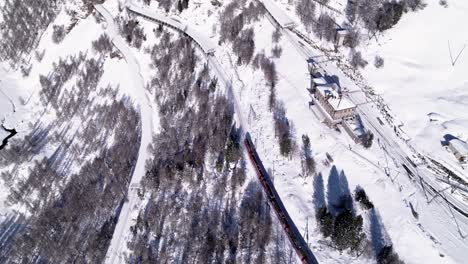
[23, 23]
[325, 27]
[305, 9]
[356, 60]
[235, 15]
[89, 4]
[361, 197]
[77, 225]
[283, 130]
[380, 243]
[182, 4]
[388, 15]
[336, 218]
[378, 62]
[165, 4]
[72, 211]
[244, 46]
[380, 15]
[276, 51]
[195, 212]
[277, 35]
[133, 32]
[367, 139]
[103, 44]
[307, 159]
[268, 67]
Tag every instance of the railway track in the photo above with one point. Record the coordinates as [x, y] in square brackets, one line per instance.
[295, 237]
[201, 41]
[424, 181]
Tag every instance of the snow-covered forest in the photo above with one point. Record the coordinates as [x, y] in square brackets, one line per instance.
[124, 130]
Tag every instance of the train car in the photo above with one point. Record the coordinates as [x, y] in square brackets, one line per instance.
[289, 227]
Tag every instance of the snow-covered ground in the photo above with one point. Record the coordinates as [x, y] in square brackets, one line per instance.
[13, 99]
[419, 81]
[392, 196]
[296, 191]
[20, 104]
[134, 86]
[425, 74]
[435, 221]
[361, 167]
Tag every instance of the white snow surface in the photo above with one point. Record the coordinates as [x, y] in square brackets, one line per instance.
[199, 38]
[281, 18]
[135, 87]
[438, 236]
[337, 101]
[11, 101]
[425, 74]
[418, 81]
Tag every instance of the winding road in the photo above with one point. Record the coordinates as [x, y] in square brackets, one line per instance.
[208, 49]
[142, 97]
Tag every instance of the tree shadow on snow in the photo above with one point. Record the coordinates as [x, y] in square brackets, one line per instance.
[338, 193]
[332, 79]
[379, 236]
[319, 192]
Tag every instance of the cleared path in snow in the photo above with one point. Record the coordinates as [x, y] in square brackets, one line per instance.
[141, 96]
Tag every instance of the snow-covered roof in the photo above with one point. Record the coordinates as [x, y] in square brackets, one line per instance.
[336, 100]
[356, 126]
[206, 45]
[460, 146]
[279, 15]
[320, 81]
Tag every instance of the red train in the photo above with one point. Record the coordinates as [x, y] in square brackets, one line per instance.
[297, 241]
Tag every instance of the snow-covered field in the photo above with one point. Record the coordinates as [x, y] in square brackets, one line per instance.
[425, 74]
[12, 99]
[425, 86]
[361, 167]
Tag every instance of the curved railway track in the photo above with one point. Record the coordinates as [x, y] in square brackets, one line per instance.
[295, 237]
[297, 241]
